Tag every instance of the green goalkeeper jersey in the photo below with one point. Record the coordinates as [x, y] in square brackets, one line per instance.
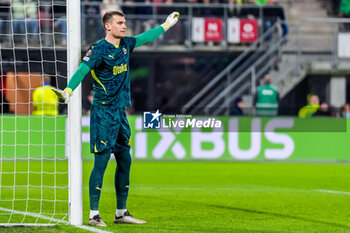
[109, 66]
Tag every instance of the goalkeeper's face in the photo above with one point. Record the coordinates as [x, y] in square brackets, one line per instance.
[116, 26]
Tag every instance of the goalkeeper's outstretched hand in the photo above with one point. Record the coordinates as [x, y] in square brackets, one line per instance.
[63, 94]
[171, 20]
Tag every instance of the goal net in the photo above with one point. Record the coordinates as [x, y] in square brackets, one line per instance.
[34, 182]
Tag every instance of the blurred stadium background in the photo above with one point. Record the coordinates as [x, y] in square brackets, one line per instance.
[290, 175]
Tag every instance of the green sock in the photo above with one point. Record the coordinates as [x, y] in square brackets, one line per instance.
[96, 178]
[122, 177]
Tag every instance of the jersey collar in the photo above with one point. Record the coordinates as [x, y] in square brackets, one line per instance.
[114, 46]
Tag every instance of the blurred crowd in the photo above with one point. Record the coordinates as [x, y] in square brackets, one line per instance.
[25, 19]
[28, 16]
[259, 2]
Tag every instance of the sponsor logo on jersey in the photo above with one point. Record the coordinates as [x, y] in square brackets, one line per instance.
[124, 50]
[120, 69]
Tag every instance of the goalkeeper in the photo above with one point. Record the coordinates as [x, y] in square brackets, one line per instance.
[108, 61]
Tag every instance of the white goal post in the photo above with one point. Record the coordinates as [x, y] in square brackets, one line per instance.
[74, 116]
[40, 180]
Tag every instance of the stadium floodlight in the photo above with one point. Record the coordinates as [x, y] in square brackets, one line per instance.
[40, 181]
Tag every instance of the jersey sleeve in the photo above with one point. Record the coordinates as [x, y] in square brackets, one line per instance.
[148, 36]
[78, 76]
[130, 42]
[93, 57]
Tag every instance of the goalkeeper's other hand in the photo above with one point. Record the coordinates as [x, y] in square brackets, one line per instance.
[63, 94]
[171, 20]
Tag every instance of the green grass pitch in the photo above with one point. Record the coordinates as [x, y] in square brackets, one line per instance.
[226, 197]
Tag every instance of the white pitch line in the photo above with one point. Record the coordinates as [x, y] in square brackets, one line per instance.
[92, 229]
[52, 219]
[333, 191]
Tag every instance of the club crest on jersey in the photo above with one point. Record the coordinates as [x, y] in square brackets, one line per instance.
[88, 53]
[124, 50]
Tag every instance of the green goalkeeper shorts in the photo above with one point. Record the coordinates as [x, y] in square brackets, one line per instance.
[109, 129]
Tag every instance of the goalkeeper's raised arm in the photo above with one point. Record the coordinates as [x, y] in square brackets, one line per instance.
[113, 38]
[152, 34]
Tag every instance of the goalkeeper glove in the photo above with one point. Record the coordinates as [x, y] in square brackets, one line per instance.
[64, 95]
[171, 20]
